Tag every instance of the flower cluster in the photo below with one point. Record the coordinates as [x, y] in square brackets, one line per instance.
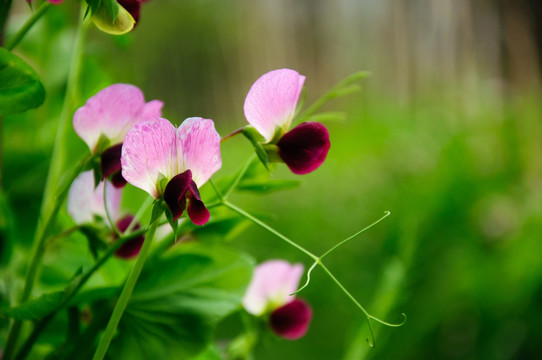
[137, 145]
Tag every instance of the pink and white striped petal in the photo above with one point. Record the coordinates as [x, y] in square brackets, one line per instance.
[149, 153]
[85, 201]
[112, 112]
[271, 285]
[198, 147]
[271, 101]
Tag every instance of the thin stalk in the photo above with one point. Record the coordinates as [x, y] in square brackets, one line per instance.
[387, 213]
[40, 325]
[108, 214]
[239, 177]
[5, 6]
[125, 296]
[55, 172]
[148, 202]
[270, 229]
[10, 45]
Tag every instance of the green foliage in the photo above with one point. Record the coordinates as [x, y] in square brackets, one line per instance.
[178, 300]
[20, 86]
[6, 230]
[37, 308]
[112, 18]
[255, 139]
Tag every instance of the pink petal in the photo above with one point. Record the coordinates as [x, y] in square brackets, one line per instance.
[198, 146]
[148, 154]
[271, 101]
[85, 201]
[112, 112]
[292, 320]
[271, 285]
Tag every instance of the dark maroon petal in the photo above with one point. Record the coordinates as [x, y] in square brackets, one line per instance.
[305, 147]
[132, 247]
[111, 165]
[291, 321]
[174, 194]
[132, 6]
[197, 212]
[111, 160]
[117, 180]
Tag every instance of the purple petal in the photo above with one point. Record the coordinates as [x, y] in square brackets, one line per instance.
[271, 285]
[305, 147]
[112, 112]
[148, 154]
[292, 320]
[132, 247]
[111, 166]
[174, 194]
[197, 212]
[111, 160]
[85, 201]
[271, 101]
[132, 6]
[198, 145]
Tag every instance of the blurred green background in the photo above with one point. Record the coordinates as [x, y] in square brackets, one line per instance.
[446, 134]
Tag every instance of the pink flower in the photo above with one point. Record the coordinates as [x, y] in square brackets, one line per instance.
[268, 292]
[106, 118]
[270, 108]
[86, 203]
[172, 163]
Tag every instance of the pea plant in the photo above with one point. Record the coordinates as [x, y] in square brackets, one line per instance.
[148, 288]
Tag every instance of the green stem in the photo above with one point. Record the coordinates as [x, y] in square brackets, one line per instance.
[148, 202]
[5, 6]
[38, 328]
[387, 213]
[40, 242]
[108, 214]
[332, 93]
[55, 171]
[10, 45]
[125, 296]
[270, 229]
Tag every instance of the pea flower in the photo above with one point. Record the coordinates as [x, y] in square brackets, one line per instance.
[172, 163]
[86, 205]
[270, 108]
[268, 293]
[105, 119]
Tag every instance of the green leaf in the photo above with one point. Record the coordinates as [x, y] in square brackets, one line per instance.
[254, 137]
[112, 8]
[37, 308]
[268, 186]
[157, 211]
[94, 5]
[178, 300]
[20, 86]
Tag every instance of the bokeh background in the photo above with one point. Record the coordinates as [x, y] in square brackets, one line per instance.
[446, 134]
